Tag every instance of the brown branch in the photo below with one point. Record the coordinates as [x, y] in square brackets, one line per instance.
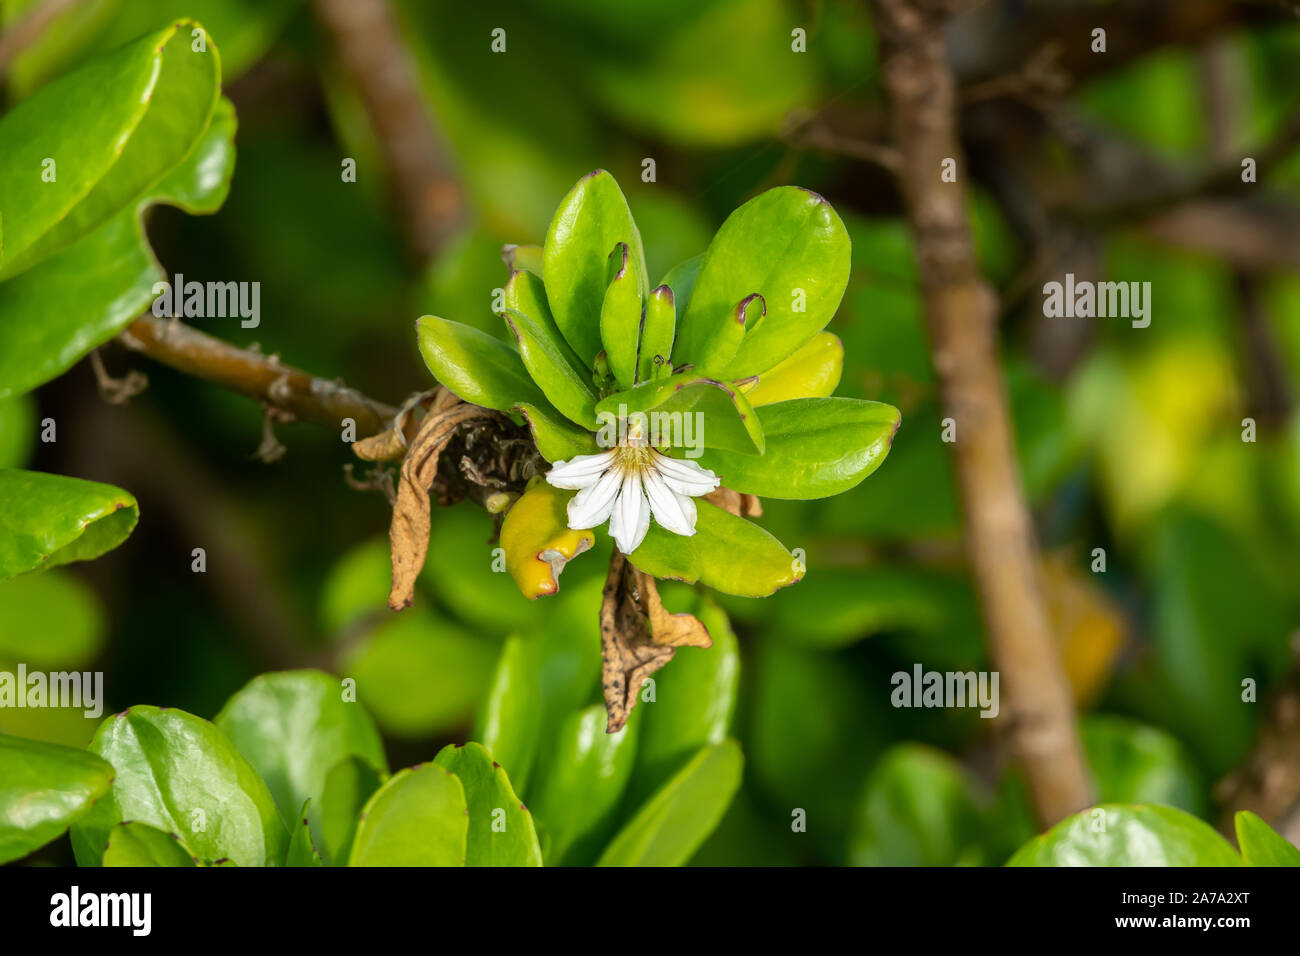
[960, 313]
[260, 377]
[368, 41]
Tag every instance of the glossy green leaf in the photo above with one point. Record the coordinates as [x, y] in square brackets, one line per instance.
[510, 717]
[672, 824]
[620, 315]
[920, 808]
[475, 366]
[113, 128]
[1117, 835]
[721, 416]
[589, 222]
[44, 788]
[48, 520]
[811, 372]
[814, 448]
[577, 800]
[418, 818]
[302, 849]
[787, 245]
[179, 773]
[681, 279]
[54, 313]
[694, 701]
[729, 554]
[348, 785]
[501, 831]
[557, 438]
[139, 844]
[52, 620]
[544, 357]
[1261, 845]
[293, 726]
[654, 355]
[526, 293]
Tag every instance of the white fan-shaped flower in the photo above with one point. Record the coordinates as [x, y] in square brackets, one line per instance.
[629, 484]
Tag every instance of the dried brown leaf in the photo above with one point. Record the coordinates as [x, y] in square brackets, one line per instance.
[740, 505]
[638, 635]
[408, 535]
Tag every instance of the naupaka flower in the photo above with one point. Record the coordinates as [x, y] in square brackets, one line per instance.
[627, 485]
[729, 353]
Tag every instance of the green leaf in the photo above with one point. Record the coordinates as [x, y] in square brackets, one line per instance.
[620, 315]
[1261, 845]
[920, 808]
[590, 220]
[672, 824]
[656, 348]
[302, 850]
[694, 702]
[44, 788]
[478, 368]
[179, 773]
[681, 280]
[348, 785]
[544, 357]
[721, 415]
[557, 438]
[727, 553]
[293, 726]
[51, 621]
[113, 128]
[510, 717]
[418, 673]
[59, 310]
[1135, 763]
[1116, 835]
[784, 242]
[577, 801]
[811, 372]
[501, 829]
[139, 844]
[815, 448]
[418, 818]
[48, 520]
[523, 258]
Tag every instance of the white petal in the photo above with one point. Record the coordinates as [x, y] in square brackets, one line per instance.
[579, 472]
[688, 509]
[665, 505]
[685, 477]
[630, 519]
[591, 506]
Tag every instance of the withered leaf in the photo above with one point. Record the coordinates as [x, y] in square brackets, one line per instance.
[638, 635]
[740, 505]
[391, 444]
[408, 535]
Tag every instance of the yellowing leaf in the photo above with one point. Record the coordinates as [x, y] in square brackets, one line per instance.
[537, 539]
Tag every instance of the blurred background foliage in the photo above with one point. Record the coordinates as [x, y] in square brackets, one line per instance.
[1133, 445]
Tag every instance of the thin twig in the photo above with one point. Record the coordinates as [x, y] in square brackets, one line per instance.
[961, 314]
[261, 377]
